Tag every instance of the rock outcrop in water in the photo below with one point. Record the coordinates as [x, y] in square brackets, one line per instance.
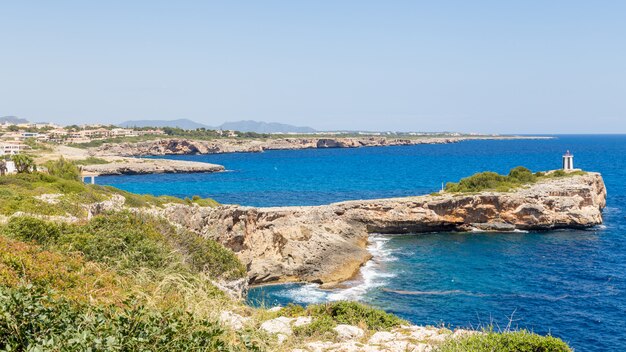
[177, 146]
[327, 244]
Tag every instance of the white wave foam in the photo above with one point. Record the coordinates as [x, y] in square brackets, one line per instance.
[371, 275]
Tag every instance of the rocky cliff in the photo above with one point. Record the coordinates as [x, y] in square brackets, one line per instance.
[327, 244]
[175, 146]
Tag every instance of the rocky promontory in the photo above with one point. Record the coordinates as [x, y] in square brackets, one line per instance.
[178, 146]
[137, 166]
[327, 244]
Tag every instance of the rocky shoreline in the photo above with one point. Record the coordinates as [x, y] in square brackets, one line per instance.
[178, 146]
[136, 166]
[327, 244]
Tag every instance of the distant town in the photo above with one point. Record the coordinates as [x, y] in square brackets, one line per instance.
[18, 135]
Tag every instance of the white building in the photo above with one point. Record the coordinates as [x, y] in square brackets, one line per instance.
[568, 161]
[10, 167]
[12, 148]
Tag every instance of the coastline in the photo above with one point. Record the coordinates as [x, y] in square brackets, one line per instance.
[327, 244]
[183, 146]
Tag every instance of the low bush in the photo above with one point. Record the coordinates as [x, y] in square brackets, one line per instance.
[491, 181]
[90, 161]
[67, 274]
[127, 241]
[327, 315]
[32, 320]
[353, 313]
[63, 169]
[514, 341]
[27, 229]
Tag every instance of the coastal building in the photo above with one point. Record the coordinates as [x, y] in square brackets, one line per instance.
[568, 161]
[9, 148]
[10, 167]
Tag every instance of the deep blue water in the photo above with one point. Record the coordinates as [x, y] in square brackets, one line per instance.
[570, 283]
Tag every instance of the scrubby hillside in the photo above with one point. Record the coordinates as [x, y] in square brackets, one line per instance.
[86, 267]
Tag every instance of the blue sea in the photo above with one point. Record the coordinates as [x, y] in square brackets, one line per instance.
[570, 283]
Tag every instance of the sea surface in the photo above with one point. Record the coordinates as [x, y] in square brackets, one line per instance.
[570, 283]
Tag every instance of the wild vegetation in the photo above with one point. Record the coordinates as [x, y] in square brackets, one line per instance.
[518, 341]
[92, 160]
[118, 281]
[491, 181]
[326, 316]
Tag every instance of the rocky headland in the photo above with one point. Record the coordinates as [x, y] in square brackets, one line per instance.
[121, 165]
[327, 244]
[137, 166]
[178, 146]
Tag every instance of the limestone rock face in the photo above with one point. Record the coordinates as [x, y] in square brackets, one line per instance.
[174, 146]
[327, 244]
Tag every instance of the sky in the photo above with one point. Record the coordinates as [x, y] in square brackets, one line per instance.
[469, 66]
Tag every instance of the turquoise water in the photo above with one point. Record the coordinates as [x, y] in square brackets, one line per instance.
[570, 283]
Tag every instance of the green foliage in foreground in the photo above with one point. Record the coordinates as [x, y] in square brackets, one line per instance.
[127, 241]
[491, 181]
[327, 315]
[31, 320]
[513, 341]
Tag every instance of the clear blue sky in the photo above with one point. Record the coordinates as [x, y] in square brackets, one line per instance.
[482, 66]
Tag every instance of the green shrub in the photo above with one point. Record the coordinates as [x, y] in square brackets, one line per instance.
[63, 169]
[31, 320]
[321, 326]
[479, 182]
[208, 256]
[522, 174]
[516, 341]
[353, 313]
[27, 229]
[491, 181]
[90, 161]
[327, 315]
[122, 240]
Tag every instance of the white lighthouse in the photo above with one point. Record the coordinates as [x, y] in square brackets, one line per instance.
[568, 161]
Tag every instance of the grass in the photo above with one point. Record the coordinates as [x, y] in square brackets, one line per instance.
[19, 192]
[491, 181]
[514, 341]
[126, 242]
[90, 161]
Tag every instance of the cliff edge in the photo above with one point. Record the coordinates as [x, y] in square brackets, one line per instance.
[327, 244]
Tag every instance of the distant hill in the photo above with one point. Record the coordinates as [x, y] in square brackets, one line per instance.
[264, 127]
[180, 123]
[12, 119]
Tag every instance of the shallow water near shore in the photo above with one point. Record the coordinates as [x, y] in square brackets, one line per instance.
[571, 283]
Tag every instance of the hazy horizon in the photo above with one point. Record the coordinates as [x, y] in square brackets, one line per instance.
[487, 67]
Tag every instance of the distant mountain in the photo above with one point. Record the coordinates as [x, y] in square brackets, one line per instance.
[263, 127]
[180, 123]
[12, 119]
